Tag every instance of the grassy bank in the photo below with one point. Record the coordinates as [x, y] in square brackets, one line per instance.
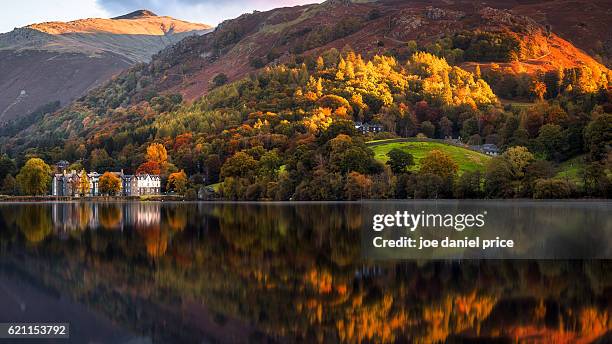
[468, 160]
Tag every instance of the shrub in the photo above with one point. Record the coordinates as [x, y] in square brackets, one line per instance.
[220, 79]
[553, 189]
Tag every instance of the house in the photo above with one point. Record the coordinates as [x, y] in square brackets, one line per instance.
[94, 178]
[61, 165]
[490, 149]
[365, 128]
[148, 184]
[141, 184]
[67, 184]
[487, 148]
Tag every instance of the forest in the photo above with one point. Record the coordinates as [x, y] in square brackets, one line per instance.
[288, 131]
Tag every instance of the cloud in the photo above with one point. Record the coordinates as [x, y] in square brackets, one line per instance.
[24, 12]
[203, 11]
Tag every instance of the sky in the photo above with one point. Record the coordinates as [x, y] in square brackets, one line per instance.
[24, 12]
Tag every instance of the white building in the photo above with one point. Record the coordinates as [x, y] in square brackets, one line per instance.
[141, 184]
[66, 184]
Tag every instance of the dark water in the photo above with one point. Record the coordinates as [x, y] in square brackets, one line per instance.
[212, 272]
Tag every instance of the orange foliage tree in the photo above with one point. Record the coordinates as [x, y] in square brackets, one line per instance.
[149, 167]
[177, 181]
[109, 184]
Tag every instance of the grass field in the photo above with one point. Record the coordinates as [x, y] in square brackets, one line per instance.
[516, 103]
[571, 169]
[467, 160]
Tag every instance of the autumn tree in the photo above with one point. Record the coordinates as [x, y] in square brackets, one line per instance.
[240, 164]
[177, 182]
[358, 186]
[149, 167]
[109, 184]
[518, 159]
[157, 160]
[34, 177]
[83, 184]
[440, 164]
[100, 160]
[156, 152]
[538, 89]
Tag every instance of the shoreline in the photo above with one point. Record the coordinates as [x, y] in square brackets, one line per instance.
[177, 198]
[42, 199]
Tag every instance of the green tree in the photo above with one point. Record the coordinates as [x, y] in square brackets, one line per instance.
[598, 137]
[550, 141]
[399, 160]
[553, 189]
[220, 80]
[7, 166]
[34, 177]
[469, 185]
[427, 185]
[469, 128]
[446, 127]
[99, 160]
[498, 179]
[9, 186]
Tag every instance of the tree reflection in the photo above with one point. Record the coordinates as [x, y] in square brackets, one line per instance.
[294, 272]
[110, 216]
[34, 222]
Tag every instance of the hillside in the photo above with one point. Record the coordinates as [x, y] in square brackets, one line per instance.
[467, 160]
[453, 29]
[60, 61]
[267, 105]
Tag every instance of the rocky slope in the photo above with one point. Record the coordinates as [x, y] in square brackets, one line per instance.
[491, 35]
[57, 61]
[251, 41]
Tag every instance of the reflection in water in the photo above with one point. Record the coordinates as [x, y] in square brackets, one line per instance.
[254, 272]
[33, 223]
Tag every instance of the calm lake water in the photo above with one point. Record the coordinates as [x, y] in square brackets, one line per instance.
[223, 272]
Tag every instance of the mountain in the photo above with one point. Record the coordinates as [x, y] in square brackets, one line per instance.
[53, 62]
[268, 104]
[251, 41]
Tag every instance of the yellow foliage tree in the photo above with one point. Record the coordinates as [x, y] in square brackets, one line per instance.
[156, 152]
[83, 185]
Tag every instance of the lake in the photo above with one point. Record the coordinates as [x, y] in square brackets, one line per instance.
[147, 272]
